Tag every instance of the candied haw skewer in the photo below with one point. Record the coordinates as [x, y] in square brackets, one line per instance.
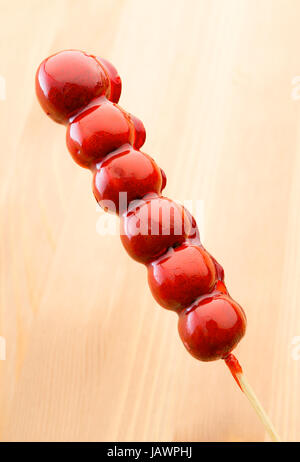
[82, 92]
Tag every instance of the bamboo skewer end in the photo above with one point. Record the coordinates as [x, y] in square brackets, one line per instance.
[238, 375]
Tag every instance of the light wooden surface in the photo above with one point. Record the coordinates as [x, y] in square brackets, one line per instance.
[90, 356]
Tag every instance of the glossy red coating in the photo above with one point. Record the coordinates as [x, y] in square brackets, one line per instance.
[149, 229]
[180, 276]
[126, 171]
[212, 327]
[115, 84]
[193, 235]
[220, 287]
[164, 179]
[97, 132]
[234, 367]
[67, 81]
[139, 132]
[219, 269]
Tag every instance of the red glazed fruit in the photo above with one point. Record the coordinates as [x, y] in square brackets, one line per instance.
[98, 131]
[124, 176]
[212, 327]
[153, 226]
[181, 276]
[82, 90]
[67, 81]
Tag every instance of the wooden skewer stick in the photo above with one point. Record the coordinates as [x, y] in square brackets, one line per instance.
[239, 377]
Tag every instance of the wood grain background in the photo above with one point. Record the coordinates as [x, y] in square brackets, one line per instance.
[90, 356]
